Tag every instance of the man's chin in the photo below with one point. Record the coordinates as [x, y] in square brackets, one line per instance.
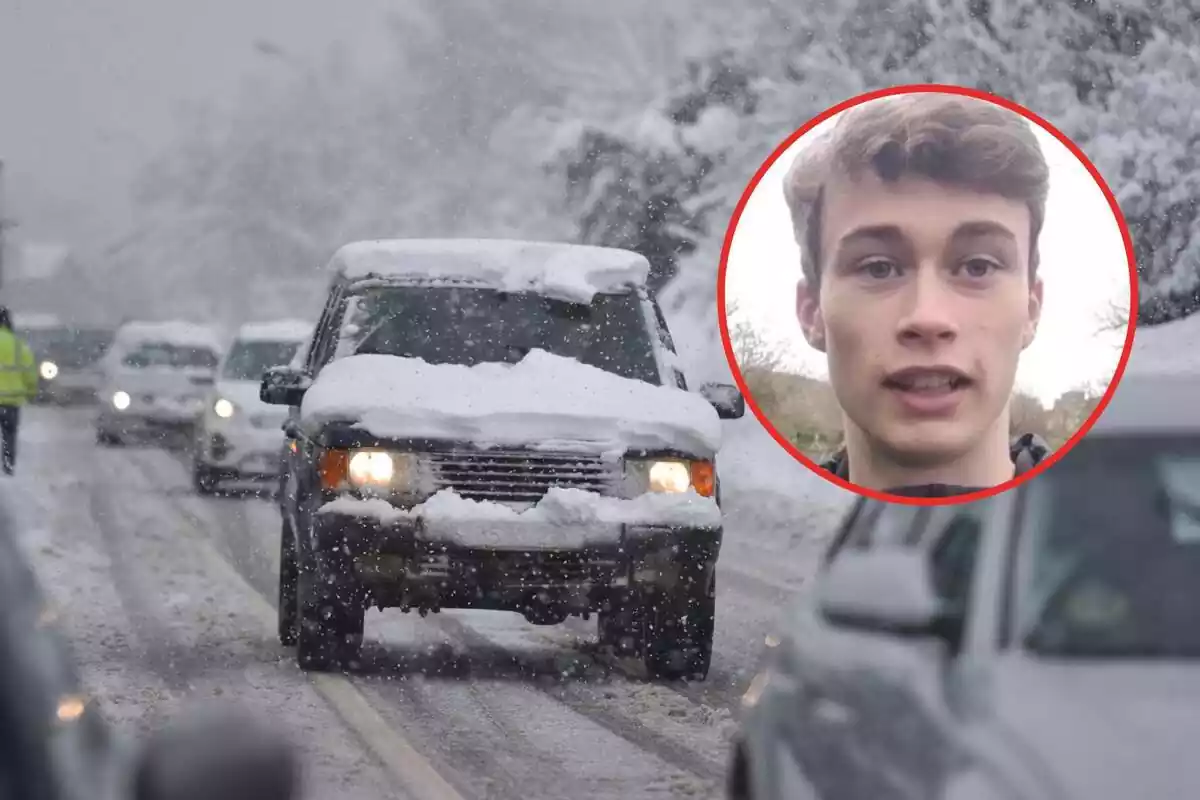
[924, 446]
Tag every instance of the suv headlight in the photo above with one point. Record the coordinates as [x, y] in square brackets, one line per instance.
[669, 476]
[49, 370]
[376, 472]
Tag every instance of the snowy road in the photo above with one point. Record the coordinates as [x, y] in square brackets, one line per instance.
[168, 599]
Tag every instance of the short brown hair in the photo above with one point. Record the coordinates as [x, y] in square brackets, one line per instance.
[949, 138]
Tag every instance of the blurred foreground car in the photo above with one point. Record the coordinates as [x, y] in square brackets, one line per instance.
[239, 437]
[57, 746]
[69, 361]
[1044, 643]
[499, 425]
[155, 377]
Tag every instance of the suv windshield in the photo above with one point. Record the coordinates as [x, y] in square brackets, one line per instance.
[469, 326]
[69, 348]
[248, 360]
[173, 356]
[1112, 563]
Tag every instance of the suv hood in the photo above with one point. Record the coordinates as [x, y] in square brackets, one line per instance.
[543, 401]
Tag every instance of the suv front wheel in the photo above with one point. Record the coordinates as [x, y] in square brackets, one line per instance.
[671, 630]
[331, 615]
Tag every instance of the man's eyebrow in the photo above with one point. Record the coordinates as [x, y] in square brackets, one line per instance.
[977, 228]
[888, 233]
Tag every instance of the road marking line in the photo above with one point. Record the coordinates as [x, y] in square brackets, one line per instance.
[413, 770]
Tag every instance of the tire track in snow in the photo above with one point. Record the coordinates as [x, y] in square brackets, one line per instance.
[490, 720]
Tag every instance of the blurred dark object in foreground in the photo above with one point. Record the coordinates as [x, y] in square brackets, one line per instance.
[57, 746]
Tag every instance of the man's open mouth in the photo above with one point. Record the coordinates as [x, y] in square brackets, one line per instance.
[927, 380]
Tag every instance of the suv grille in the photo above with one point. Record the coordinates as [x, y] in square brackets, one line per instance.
[520, 475]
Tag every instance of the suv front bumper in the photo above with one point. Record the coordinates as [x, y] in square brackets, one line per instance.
[402, 562]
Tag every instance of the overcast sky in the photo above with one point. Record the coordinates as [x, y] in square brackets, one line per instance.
[1083, 264]
[89, 87]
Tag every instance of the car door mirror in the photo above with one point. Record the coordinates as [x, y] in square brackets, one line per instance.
[283, 386]
[217, 754]
[884, 590]
[726, 399]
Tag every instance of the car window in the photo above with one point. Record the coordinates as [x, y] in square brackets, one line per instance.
[476, 325]
[953, 556]
[248, 360]
[664, 332]
[1109, 553]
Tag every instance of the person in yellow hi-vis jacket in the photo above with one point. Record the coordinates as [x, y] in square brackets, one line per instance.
[18, 386]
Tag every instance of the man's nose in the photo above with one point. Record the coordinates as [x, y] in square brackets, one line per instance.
[928, 311]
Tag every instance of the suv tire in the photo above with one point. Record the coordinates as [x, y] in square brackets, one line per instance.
[331, 615]
[286, 608]
[677, 633]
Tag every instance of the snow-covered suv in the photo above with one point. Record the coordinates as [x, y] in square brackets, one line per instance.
[499, 425]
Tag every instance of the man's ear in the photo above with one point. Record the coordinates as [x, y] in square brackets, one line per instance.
[808, 312]
[1035, 312]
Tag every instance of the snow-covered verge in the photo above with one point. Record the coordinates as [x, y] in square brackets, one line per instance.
[563, 518]
[559, 270]
[544, 400]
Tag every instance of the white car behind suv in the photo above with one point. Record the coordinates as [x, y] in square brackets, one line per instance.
[155, 377]
[238, 437]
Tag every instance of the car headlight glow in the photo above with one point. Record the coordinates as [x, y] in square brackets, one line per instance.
[670, 476]
[371, 468]
[49, 370]
[120, 400]
[223, 408]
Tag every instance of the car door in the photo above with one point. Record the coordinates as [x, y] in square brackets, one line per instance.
[302, 488]
[878, 699]
[811, 732]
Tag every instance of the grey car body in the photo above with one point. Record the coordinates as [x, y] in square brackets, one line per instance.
[1042, 643]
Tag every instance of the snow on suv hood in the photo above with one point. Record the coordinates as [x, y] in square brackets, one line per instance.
[545, 401]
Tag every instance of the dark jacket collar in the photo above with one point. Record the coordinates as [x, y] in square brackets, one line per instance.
[1026, 450]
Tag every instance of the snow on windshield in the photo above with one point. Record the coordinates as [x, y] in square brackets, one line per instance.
[183, 334]
[562, 271]
[544, 398]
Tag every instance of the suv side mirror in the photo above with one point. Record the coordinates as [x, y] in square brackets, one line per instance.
[209, 755]
[726, 399]
[283, 386]
[885, 590]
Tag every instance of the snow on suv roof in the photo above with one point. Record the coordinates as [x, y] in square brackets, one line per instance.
[280, 330]
[176, 332]
[556, 269]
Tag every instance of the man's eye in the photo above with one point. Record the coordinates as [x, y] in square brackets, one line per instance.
[878, 269]
[978, 267]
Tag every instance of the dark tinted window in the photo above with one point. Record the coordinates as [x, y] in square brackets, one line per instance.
[953, 558]
[69, 348]
[471, 326]
[248, 360]
[1110, 559]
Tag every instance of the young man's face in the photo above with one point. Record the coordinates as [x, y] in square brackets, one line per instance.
[924, 307]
